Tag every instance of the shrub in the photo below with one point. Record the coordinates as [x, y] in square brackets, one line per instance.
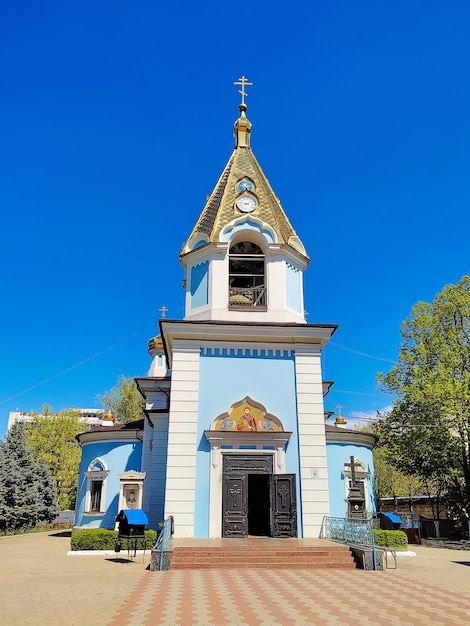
[394, 539]
[103, 539]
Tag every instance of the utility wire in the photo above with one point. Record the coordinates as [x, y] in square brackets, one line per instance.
[69, 369]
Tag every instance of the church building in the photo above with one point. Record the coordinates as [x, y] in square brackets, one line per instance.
[235, 440]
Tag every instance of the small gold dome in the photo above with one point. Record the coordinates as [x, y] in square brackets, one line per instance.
[155, 343]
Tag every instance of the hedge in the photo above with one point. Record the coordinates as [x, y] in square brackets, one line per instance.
[394, 539]
[103, 539]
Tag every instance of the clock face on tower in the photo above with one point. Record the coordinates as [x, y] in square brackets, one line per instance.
[246, 203]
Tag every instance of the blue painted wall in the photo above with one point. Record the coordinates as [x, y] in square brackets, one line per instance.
[337, 455]
[199, 285]
[293, 286]
[225, 379]
[118, 456]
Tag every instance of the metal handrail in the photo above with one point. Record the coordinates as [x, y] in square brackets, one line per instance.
[164, 537]
[352, 532]
[247, 296]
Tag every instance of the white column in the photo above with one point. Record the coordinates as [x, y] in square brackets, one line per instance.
[312, 442]
[182, 438]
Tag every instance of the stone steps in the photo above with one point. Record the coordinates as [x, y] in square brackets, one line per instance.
[275, 557]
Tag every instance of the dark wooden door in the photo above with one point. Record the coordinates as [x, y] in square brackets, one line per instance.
[283, 506]
[235, 505]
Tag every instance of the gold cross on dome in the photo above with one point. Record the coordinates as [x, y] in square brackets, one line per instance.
[243, 82]
[163, 311]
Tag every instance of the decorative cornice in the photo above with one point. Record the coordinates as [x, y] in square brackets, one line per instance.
[153, 384]
[132, 475]
[297, 337]
[103, 436]
[352, 437]
[243, 438]
[247, 352]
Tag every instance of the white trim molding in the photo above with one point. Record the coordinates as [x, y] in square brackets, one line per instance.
[95, 475]
[131, 481]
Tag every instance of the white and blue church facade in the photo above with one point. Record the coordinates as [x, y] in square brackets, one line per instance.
[235, 440]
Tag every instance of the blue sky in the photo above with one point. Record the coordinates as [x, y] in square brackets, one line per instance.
[117, 121]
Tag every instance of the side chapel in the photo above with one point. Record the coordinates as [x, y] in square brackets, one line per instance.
[235, 441]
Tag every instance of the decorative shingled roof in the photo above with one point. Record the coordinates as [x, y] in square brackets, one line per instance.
[220, 208]
[207, 218]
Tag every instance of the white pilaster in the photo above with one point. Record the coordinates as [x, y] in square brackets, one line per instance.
[312, 443]
[182, 438]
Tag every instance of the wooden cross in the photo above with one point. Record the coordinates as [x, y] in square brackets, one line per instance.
[163, 311]
[243, 81]
[352, 464]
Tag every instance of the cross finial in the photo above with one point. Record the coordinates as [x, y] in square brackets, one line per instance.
[243, 82]
[163, 311]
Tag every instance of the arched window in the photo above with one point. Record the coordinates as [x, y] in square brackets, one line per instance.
[247, 286]
[96, 488]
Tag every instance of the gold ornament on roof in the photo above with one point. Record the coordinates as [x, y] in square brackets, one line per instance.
[340, 421]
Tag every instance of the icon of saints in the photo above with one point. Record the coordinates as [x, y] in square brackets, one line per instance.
[247, 421]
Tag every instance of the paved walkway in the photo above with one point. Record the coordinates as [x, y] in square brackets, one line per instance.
[41, 585]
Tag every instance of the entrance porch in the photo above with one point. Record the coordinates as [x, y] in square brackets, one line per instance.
[260, 552]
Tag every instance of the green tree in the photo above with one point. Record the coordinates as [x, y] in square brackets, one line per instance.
[52, 440]
[27, 493]
[390, 482]
[429, 426]
[124, 400]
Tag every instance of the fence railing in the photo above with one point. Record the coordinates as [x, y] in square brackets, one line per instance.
[163, 539]
[247, 297]
[352, 532]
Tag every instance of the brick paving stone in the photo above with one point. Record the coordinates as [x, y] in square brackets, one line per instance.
[42, 586]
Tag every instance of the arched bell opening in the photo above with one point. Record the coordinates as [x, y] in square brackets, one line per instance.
[247, 276]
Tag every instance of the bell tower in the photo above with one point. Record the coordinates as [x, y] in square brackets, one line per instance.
[243, 260]
[234, 397]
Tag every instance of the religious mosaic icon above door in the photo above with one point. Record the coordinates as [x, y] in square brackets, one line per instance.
[247, 417]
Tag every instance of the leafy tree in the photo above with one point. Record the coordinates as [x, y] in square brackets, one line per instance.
[429, 426]
[390, 482]
[27, 494]
[124, 400]
[52, 440]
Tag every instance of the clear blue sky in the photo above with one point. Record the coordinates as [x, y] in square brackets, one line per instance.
[117, 121]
